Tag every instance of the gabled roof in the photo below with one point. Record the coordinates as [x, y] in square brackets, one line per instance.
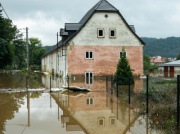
[101, 6]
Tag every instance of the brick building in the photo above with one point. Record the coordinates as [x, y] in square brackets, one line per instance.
[92, 47]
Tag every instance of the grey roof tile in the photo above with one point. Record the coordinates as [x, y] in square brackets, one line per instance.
[72, 26]
[102, 5]
[169, 64]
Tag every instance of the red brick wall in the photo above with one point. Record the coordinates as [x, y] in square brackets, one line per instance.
[105, 59]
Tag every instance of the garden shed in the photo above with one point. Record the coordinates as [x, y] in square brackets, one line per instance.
[170, 69]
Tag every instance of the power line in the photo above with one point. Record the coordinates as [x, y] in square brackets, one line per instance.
[4, 10]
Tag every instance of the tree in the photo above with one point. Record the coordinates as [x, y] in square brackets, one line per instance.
[178, 57]
[7, 35]
[20, 53]
[147, 62]
[36, 51]
[123, 73]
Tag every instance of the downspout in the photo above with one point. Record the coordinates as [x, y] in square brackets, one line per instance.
[57, 57]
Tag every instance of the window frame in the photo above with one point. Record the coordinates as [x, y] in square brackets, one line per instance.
[112, 29]
[88, 79]
[90, 101]
[89, 55]
[110, 121]
[101, 119]
[103, 32]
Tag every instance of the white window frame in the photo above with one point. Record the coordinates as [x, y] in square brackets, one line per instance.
[103, 32]
[112, 29]
[90, 101]
[89, 55]
[103, 121]
[89, 81]
[110, 121]
[120, 54]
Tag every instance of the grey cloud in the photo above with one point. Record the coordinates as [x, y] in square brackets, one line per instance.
[152, 18]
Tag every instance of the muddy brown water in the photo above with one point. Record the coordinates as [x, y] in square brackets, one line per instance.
[75, 112]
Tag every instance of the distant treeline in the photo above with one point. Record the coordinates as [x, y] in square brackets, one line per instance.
[165, 47]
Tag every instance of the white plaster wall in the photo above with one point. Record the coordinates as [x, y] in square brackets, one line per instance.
[176, 71]
[88, 34]
[161, 71]
[50, 62]
[62, 69]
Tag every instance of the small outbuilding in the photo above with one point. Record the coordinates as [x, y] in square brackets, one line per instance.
[170, 69]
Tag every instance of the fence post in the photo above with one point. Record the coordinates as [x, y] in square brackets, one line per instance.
[178, 86]
[111, 81]
[106, 85]
[111, 84]
[147, 93]
[50, 84]
[117, 86]
[129, 90]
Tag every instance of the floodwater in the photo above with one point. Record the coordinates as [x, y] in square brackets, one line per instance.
[80, 112]
[56, 113]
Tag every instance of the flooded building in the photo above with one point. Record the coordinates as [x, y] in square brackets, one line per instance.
[92, 47]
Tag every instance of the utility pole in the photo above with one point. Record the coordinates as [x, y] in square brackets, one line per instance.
[27, 49]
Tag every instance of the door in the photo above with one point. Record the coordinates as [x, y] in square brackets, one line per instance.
[172, 72]
[166, 72]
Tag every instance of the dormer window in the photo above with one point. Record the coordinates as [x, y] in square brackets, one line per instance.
[100, 32]
[112, 33]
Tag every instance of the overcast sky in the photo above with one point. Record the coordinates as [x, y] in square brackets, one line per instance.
[44, 18]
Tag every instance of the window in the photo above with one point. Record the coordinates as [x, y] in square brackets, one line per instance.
[90, 101]
[101, 121]
[112, 33]
[89, 77]
[89, 55]
[100, 32]
[112, 121]
[123, 54]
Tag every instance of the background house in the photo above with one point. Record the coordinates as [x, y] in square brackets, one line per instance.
[92, 47]
[170, 69]
[157, 60]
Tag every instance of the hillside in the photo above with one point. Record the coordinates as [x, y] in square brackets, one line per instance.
[167, 47]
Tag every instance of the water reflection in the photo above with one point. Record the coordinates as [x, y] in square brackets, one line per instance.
[100, 83]
[9, 105]
[81, 112]
[56, 82]
[17, 80]
[95, 113]
[90, 113]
